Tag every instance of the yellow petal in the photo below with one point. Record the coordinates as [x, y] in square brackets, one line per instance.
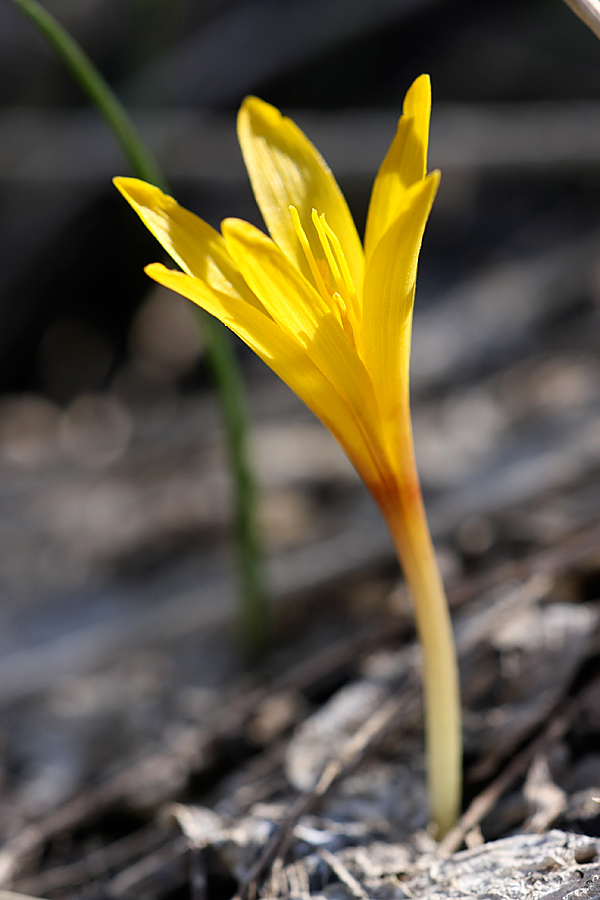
[404, 164]
[285, 169]
[288, 296]
[297, 307]
[288, 358]
[388, 299]
[191, 242]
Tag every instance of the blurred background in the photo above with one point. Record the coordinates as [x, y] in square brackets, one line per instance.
[114, 493]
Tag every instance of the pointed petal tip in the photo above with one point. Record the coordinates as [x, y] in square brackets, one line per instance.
[252, 101]
[141, 193]
[154, 269]
[418, 96]
[254, 111]
[428, 187]
[124, 183]
[128, 181]
[434, 178]
[231, 226]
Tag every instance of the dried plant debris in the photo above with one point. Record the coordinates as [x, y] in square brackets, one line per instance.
[545, 798]
[531, 660]
[536, 867]
[318, 738]
[357, 762]
[337, 864]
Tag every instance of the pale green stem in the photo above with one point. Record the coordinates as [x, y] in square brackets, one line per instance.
[405, 514]
[254, 613]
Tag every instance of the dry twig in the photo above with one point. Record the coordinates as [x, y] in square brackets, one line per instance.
[588, 11]
[403, 706]
[487, 799]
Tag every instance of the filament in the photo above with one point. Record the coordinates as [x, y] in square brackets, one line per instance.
[331, 275]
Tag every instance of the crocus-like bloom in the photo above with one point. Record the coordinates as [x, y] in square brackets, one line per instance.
[334, 322]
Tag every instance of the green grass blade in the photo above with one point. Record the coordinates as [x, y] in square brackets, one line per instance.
[254, 613]
[100, 94]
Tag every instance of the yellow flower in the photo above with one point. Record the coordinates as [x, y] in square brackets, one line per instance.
[334, 322]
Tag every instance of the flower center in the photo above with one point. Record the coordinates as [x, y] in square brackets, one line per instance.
[329, 269]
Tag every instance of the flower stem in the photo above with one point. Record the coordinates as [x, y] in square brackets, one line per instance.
[407, 520]
[254, 619]
[99, 93]
[254, 611]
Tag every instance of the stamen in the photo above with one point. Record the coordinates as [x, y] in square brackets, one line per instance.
[343, 311]
[320, 284]
[347, 277]
[326, 272]
[325, 244]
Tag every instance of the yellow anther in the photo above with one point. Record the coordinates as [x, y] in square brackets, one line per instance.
[334, 286]
[337, 247]
[314, 268]
[343, 311]
[333, 266]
